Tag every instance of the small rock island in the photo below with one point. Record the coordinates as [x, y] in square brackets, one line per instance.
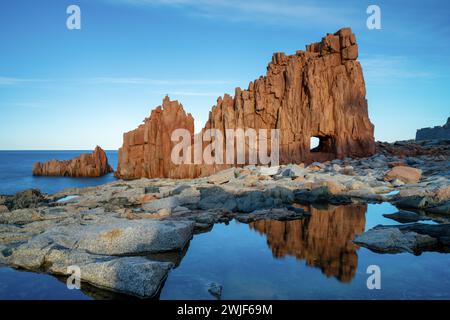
[86, 165]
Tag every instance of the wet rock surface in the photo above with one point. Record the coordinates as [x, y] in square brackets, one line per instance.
[215, 289]
[407, 216]
[393, 240]
[415, 238]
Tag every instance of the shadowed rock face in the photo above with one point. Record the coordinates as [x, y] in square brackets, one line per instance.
[319, 93]
[324, 240]
[439, 132]
[86, 165]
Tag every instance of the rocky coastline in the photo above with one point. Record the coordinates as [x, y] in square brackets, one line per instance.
[126, 236]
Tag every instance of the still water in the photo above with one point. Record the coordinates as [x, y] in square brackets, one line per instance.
[312, 258]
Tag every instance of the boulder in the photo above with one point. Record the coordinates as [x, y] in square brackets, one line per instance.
[392, 240]
[293, 171]
[130, 275]
[268, 171]
[320, 195]
[279, 214]
[183, 196]
[137, 276]
[215, 290]
[222, 176]
[406, 216]
[31, 198]
[216, 198]
[414, 238]
[20, 216]
[404, 173]
[124, 237]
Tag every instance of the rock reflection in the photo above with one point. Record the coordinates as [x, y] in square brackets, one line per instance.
[323, 240]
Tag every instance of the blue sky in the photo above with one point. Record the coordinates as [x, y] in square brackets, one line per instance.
[74, 89]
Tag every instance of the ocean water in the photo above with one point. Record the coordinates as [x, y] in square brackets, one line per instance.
[16, 171]
[311, 258]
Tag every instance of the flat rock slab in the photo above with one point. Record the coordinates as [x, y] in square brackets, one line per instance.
[135, 276]
[215, 198]
[414, 238]
[440, 232]
[392, 240]
[131, 275]
[406, 216]
[127, 237]
[99, 251]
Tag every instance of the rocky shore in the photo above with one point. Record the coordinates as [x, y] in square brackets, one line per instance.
[126, 236]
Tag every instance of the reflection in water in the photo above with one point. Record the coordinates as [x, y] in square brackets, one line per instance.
[323, 240]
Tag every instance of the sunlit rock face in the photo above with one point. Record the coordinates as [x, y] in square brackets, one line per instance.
[86, 165]
[318, 93]
[323, 240]
[146, 151]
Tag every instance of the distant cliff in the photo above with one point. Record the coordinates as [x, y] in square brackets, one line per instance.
[86, 165]
[436, 133]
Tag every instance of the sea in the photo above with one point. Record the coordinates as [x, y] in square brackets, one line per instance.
[310, 258]
[16, 171]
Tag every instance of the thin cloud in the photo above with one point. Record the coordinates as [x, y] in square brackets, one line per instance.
[8, 81]
[30, 105]
[159, 82]
[385, 68]
[261, 11]
[24, 104]
[190, 93]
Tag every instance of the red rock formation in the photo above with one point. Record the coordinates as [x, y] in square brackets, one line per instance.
[318, 93]
[146, 151]
[86, 165]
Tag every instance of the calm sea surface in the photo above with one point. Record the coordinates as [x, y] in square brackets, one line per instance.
[16, 171]
[312, 258]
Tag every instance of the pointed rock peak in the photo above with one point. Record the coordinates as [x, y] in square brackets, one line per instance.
[168, 104]
[166, 99]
